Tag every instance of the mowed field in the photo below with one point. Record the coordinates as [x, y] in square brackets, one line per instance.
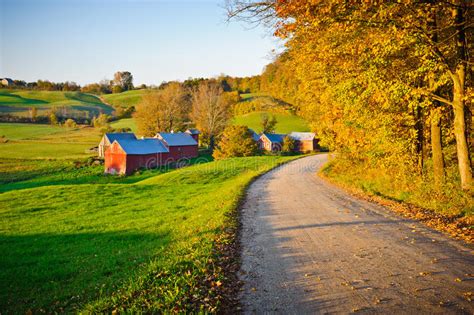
[286, 122]
[19, 102]
[73, 239]
[35, 141]
[125, 99]
[125, 123]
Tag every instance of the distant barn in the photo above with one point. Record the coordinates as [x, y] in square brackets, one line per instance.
[271, 142]
[124, 156]
[193, 133]
[305, 141]
[109, 138]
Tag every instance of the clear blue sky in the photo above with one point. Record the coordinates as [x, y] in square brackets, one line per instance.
[156, 40]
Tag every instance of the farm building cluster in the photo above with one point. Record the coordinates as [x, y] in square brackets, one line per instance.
[124, 152]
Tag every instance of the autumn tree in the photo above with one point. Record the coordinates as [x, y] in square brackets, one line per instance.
[33, 114]
[383, 54]
[288, 145]
[53, 119]
[163, 110]
[210, 111]
[124, 80]
[236, 141]
[70, 123]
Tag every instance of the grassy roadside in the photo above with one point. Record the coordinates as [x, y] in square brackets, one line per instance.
[449, 210]
[149, 246]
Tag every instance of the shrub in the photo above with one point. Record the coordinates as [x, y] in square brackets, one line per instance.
[53, 120]
[288, 145]
[70, 123]
[236, 141]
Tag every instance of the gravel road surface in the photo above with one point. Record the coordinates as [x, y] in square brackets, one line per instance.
[309, 247]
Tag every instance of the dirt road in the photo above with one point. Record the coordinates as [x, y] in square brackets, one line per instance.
[308, 247]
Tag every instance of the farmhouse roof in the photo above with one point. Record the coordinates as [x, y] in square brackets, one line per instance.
[120, 136]
[176, 139]
[275, 137]
[193, 131]
[255, 135]
[302, 136]
[142, 146]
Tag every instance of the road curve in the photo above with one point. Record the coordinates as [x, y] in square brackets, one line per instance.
[309, 247]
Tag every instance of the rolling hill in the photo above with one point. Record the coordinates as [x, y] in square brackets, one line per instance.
[286, 122]
[125, 99]
[19, 102]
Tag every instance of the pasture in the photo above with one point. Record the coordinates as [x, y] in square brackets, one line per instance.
[125, 123]
[286, 122]
[74, 239]
[34, 141]
[125, 99]
[19, 102]
[141, 245]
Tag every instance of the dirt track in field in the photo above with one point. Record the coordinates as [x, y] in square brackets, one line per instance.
[309, 247]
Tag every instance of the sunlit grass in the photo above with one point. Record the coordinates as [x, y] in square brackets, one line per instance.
[286, 122]
[101, 246]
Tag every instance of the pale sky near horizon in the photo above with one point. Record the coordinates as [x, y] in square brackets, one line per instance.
[156, 40]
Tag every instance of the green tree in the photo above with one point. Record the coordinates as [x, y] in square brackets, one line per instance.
[268, 123]
[236, 141]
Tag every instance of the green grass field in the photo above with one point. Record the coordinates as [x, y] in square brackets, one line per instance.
[140, 245]
[76, 240]
[34, 141]
[18, 102]
[125, 99]
[286, 122]
[125, 123]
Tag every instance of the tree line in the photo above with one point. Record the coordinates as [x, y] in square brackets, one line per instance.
[205, 104]
[387, 84]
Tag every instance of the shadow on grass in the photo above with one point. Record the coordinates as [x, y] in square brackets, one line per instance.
[61, 272]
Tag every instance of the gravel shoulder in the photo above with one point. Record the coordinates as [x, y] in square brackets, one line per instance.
[309, 247]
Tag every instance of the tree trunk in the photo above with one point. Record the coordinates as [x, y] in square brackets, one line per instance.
[211, 143]
[459, 76]
[460, 130]
[420, 141]
[436, 147]
[435, 115]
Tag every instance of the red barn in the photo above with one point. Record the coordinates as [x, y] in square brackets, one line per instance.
[109, 138]
[126, 156]
[180, 145]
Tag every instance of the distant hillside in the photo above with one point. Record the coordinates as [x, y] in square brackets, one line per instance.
[19, 102]
[249, 110]
[286, 122]
[125, 99]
